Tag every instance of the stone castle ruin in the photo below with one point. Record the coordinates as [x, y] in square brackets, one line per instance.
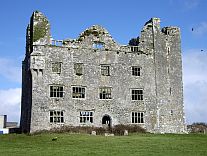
[94, 81]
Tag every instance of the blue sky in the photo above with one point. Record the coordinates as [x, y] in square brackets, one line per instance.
[123, 19]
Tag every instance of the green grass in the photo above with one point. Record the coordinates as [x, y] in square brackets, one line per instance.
[86, 145]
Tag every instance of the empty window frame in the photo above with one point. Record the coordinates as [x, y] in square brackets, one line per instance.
[78, 68]
[78, 92]
[136, 71]
[137, 94]
[105, 93]
[57, 42]
[56, 91]
[86, 117]
[134, 49]
[56, 67]
[105, 70]
[56, 116]
[137, 117]
[98, 45]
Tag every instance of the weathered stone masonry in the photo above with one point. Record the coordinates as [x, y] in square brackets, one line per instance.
[94, 81]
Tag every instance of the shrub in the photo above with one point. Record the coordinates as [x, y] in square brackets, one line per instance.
[117, 129]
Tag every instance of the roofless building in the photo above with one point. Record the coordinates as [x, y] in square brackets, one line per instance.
[94, 81]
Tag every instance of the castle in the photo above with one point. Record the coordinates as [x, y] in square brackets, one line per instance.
[94, 81]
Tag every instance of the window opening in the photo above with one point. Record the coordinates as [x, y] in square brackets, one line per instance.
[78, 68]
[137, 94]
[105, 93]
[56, 67]
[56, 91]
[168, 50]
[136, 71]
[98, 45]
[56, 116]
[171, 112]
[78, 92]
[86, 117]
[105, 70]
[134, 49]
[137, 117]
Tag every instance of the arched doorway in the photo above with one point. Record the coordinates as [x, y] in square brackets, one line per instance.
[106, 121]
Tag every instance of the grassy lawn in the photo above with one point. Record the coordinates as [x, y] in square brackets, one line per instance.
[86, 145]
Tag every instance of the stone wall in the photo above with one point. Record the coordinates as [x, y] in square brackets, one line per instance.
[158, 54]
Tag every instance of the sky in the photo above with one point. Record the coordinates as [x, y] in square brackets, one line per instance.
[124, 20]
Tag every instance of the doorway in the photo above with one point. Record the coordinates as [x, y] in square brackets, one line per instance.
[106, 121]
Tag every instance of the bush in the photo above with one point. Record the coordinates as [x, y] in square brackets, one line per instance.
[117, 129]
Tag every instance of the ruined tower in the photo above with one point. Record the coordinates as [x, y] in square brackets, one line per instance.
[94, 81]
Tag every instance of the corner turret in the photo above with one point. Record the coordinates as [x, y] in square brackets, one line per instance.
[38, 30]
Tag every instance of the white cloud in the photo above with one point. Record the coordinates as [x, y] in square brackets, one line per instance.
[10, 100]
[10, 70]
[195, 85]
[200, 29]
[195, 67]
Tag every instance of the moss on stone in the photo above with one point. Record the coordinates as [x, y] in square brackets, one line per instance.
[94, 32]
[40, 30]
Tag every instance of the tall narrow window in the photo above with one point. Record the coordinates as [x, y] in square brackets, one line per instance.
[137, 94]
[105, 70]
[56, 67]
[105, 93]
[168, 50]
[78, 92]
[136, 71]
[171, 112]
[56, 116]
[56, 91]
[78, 68]
[137, 117]
[86, 117]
